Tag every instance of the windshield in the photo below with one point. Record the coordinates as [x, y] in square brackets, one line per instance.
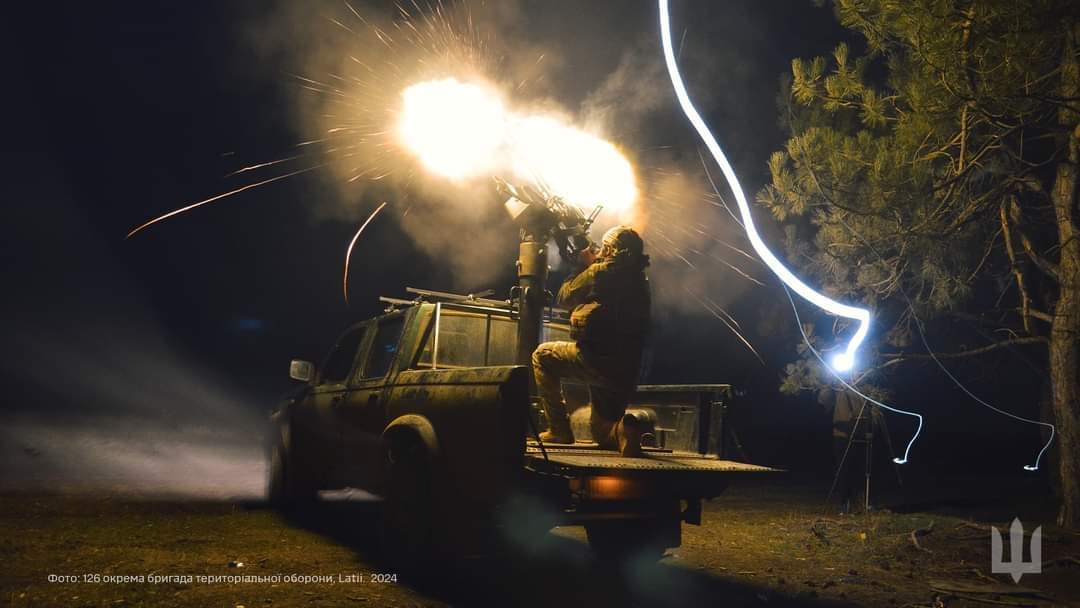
[475, 339]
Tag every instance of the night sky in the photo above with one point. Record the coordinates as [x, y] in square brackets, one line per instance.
[123, 111]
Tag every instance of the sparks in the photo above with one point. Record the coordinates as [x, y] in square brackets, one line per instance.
[352, 243]
[218, 197]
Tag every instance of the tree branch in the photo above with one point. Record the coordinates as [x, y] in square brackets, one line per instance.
[1040, 315]
[1049, 268]
[1025, 299]
[967, 353]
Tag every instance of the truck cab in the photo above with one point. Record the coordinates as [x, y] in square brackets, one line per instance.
[425, 407]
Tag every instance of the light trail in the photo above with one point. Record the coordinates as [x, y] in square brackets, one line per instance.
[926, 344]
[352, 243]
[960, 385]
[851, 388]
[846, 360]
[729, 321]
[217, 198]
[841, 362]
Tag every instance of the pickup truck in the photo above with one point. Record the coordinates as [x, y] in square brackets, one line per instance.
[424, 407]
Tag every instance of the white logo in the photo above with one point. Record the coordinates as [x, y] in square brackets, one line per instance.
[1016, 566]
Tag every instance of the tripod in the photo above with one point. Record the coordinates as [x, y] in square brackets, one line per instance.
[860, 432]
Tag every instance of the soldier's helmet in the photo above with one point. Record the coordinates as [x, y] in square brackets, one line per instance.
[622, 241]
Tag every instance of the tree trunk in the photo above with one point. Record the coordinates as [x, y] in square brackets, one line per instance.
[1064, 363]
[1065, 328]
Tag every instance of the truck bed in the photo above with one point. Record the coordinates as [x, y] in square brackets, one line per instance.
[585, 459]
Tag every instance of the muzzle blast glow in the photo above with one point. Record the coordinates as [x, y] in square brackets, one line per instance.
[461, 130]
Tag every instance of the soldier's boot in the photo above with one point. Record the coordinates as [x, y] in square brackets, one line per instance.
[559, 431]
[628, 435]
[603, 433]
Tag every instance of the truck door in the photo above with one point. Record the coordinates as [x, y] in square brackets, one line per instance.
[362, 415]
[316, 424]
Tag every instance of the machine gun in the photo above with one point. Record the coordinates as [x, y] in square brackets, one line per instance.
[541, 213]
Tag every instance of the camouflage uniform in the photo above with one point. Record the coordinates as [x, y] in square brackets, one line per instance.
[610, 316]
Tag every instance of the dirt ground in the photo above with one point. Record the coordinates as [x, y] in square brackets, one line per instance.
[761, 545]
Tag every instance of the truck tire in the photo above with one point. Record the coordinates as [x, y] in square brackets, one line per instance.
[408, 512]
[632, 539]
[287, 485]
[275, 486]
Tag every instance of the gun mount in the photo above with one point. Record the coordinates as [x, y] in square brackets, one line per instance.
[543, 218]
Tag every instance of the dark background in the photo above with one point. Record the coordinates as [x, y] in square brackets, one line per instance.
[122, 111]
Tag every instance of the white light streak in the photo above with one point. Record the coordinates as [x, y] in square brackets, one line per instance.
[841, 362]
[911, 442]
[955, 380]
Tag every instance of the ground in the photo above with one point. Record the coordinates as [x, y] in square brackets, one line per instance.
[762, 544]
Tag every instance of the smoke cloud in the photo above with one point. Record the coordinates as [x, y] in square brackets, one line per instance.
[109, 400]
[119, 454]
[97, 397]
[603, 73]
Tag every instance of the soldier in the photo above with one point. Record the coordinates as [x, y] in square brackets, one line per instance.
[848, 415]
[610, 306]
[854, 423]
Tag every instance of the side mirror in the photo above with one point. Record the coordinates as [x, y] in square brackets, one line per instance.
[303, 371]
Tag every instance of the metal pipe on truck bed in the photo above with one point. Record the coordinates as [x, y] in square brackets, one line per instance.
[532, 276]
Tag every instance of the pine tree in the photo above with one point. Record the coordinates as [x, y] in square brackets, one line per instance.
[937, 164]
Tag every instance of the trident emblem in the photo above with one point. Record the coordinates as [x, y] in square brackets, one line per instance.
[1016, 566]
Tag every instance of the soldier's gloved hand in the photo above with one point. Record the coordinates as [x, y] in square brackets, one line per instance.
[587, 257]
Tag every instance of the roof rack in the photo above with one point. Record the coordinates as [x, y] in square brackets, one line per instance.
[481, 298]
[477, 299]
[427, 295]
[397, 302]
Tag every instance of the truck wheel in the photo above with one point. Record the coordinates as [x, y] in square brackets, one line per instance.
[625, 539]
[275, 487]
[407, 513]
[287, 486]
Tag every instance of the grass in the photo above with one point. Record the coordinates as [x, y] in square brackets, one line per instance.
[759, 545]
[776, 535]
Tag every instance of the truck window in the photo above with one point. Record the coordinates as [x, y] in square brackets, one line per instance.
[502, 342]
[502, 339]
[461, 339]
[339, 362]
[383, 349]
[474, 339]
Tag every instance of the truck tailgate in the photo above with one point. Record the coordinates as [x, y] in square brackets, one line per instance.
[594, 460]
[602, 482]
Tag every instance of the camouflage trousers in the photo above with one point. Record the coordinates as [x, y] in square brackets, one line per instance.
[611, 379]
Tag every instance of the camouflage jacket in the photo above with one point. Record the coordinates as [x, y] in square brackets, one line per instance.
[610, 305]
[850, 413]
